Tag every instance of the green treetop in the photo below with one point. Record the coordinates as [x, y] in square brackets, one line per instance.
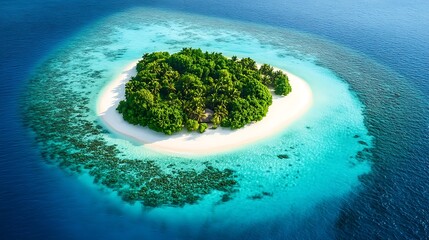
[192, 88]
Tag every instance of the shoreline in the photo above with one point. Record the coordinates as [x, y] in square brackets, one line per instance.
[282, 112]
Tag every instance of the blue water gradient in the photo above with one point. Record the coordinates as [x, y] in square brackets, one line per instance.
[39, 201]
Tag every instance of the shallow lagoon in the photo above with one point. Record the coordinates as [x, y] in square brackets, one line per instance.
[324, 162]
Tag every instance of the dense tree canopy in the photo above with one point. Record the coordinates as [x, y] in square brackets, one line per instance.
[180, 90]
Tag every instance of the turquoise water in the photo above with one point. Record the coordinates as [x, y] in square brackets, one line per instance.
[328, 147]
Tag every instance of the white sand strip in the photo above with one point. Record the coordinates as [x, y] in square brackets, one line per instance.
[281, 113]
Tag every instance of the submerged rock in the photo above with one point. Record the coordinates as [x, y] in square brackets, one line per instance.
[283, 156]
[260, 195]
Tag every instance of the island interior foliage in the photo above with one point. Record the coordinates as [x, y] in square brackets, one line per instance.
[192, 89]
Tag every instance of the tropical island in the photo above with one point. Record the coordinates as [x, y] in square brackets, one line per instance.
[192, 89]
[283, 111]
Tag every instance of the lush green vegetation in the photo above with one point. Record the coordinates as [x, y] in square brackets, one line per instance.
[192, 88]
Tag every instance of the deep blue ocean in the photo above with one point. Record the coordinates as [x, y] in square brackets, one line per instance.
[39, 201]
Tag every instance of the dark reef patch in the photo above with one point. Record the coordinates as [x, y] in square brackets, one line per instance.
[57, 111]
[261, 195]
[283, 156]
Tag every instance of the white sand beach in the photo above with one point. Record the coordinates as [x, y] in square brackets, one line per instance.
[282, 112]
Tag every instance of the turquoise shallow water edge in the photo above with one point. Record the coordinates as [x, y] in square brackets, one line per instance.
[379, 48]
[328, 147]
